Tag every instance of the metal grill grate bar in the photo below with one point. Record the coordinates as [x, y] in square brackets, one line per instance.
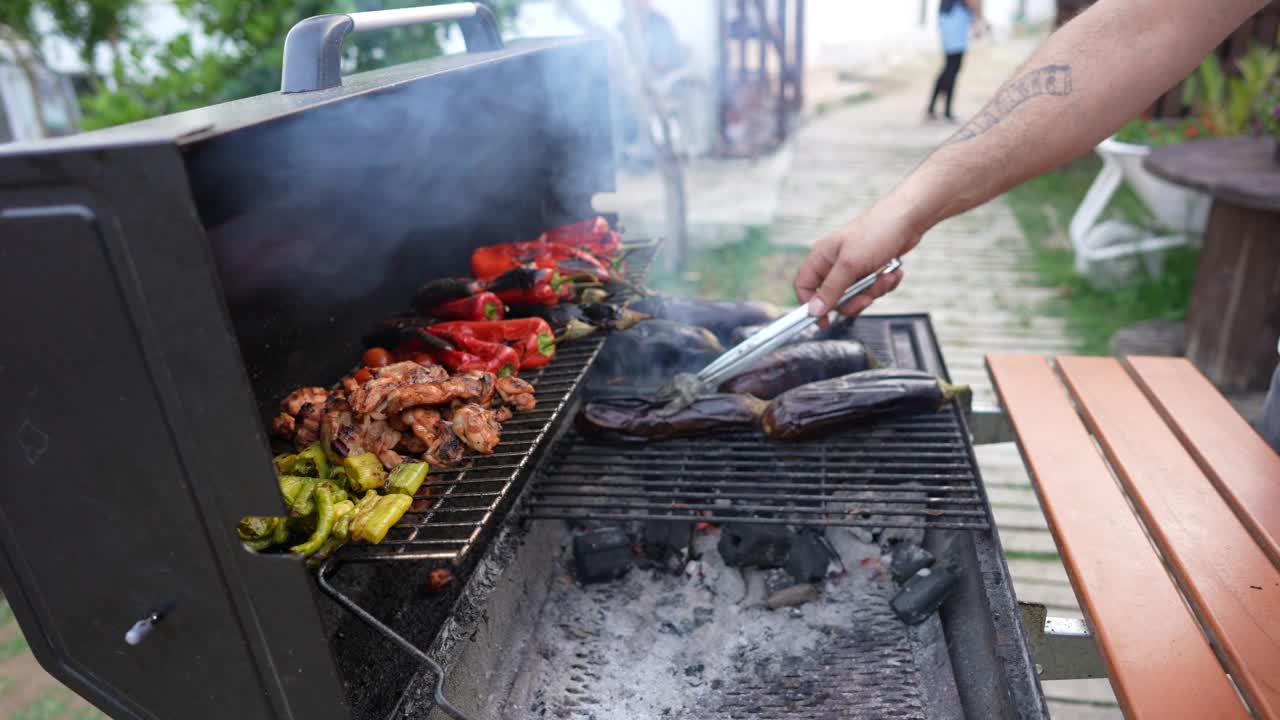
[457, 505]
[900, 472]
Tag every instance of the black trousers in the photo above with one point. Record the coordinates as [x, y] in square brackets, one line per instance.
[947, 81]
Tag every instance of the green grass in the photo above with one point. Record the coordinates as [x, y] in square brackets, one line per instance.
[48, 706]
[748, 269]
[1044, 207]
[13, 646]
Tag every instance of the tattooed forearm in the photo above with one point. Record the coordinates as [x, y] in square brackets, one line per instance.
[1048, 80]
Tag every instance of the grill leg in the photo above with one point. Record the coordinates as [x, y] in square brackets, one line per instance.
[1063, 648]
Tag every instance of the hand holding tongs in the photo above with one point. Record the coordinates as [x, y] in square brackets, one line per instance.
[685, 388]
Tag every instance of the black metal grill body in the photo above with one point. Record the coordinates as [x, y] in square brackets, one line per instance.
[170, 280]
[985, 643]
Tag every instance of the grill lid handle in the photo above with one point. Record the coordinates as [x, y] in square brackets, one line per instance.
[313, 47]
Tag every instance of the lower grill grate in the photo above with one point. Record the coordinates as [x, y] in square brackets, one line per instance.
[456, 506]
[913, 472]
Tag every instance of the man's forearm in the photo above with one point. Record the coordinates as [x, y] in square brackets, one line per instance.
[1088, 79]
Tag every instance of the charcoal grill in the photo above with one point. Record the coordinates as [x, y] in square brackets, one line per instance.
[917, 472]
[188, 271]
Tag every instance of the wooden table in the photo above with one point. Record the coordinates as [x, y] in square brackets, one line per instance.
[1234, 319]
[1164, 504]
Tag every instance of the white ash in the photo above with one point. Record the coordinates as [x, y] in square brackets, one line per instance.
[657, 645]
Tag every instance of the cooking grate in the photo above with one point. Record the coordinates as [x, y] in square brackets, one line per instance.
[912, 472]
[456, 506]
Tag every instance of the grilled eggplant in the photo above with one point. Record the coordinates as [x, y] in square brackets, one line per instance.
[799, 365]
[569, 317]
[654, 350]
[637, 419]
[852, 399]
[721, 318]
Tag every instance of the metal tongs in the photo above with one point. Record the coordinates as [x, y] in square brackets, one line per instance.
[685, 388]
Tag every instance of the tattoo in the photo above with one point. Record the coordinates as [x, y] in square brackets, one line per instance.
[1048, 80]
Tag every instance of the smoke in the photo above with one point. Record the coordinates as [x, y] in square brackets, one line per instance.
[322, 222]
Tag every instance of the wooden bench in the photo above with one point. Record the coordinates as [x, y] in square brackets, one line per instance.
[1165, 508]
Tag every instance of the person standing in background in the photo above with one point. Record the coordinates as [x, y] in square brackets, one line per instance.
[956, 19]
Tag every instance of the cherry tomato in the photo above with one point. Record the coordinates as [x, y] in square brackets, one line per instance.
[363, 375]
[376, 357]
[423, 359]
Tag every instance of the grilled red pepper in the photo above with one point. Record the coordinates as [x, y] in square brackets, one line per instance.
[531, 337]
[438, 292]
[594, 236]
[481, 306]
[476, 354]
[494, 260]
[531, 286]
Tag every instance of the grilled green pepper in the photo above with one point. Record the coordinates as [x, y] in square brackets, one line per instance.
[260, 533]
[407, 478]
[324, 522]
[310, 462]
[342, 514]
[371, 525]
[364, 472]
[298, 493]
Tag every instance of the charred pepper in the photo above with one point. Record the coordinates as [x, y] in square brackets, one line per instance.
[493, 260]
[297, 493]
[594, 235]
[324, 523]
[438, 292]
[372, 521]
[532, 337]
[481, 306]
[260, 533]
[310, 462]
[476, 354]
[407, 478]
[364, 472]
[531, 286]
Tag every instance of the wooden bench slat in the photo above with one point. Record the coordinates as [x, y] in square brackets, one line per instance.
[1124, 590]
[1242, 465]
[1231, 584]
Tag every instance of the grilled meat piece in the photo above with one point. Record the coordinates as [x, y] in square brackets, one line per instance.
[477, 426]
[339, 431]
[637, 419]
[516, 392]
[299, 418]
[283, 425]
[503, 414]
[294, 401]
[380, 438]
[370, 396]
[799, 365]
[439, 445]
[307, 424]
[473, 385]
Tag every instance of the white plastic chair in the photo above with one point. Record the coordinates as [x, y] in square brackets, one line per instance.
[1109, 252]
